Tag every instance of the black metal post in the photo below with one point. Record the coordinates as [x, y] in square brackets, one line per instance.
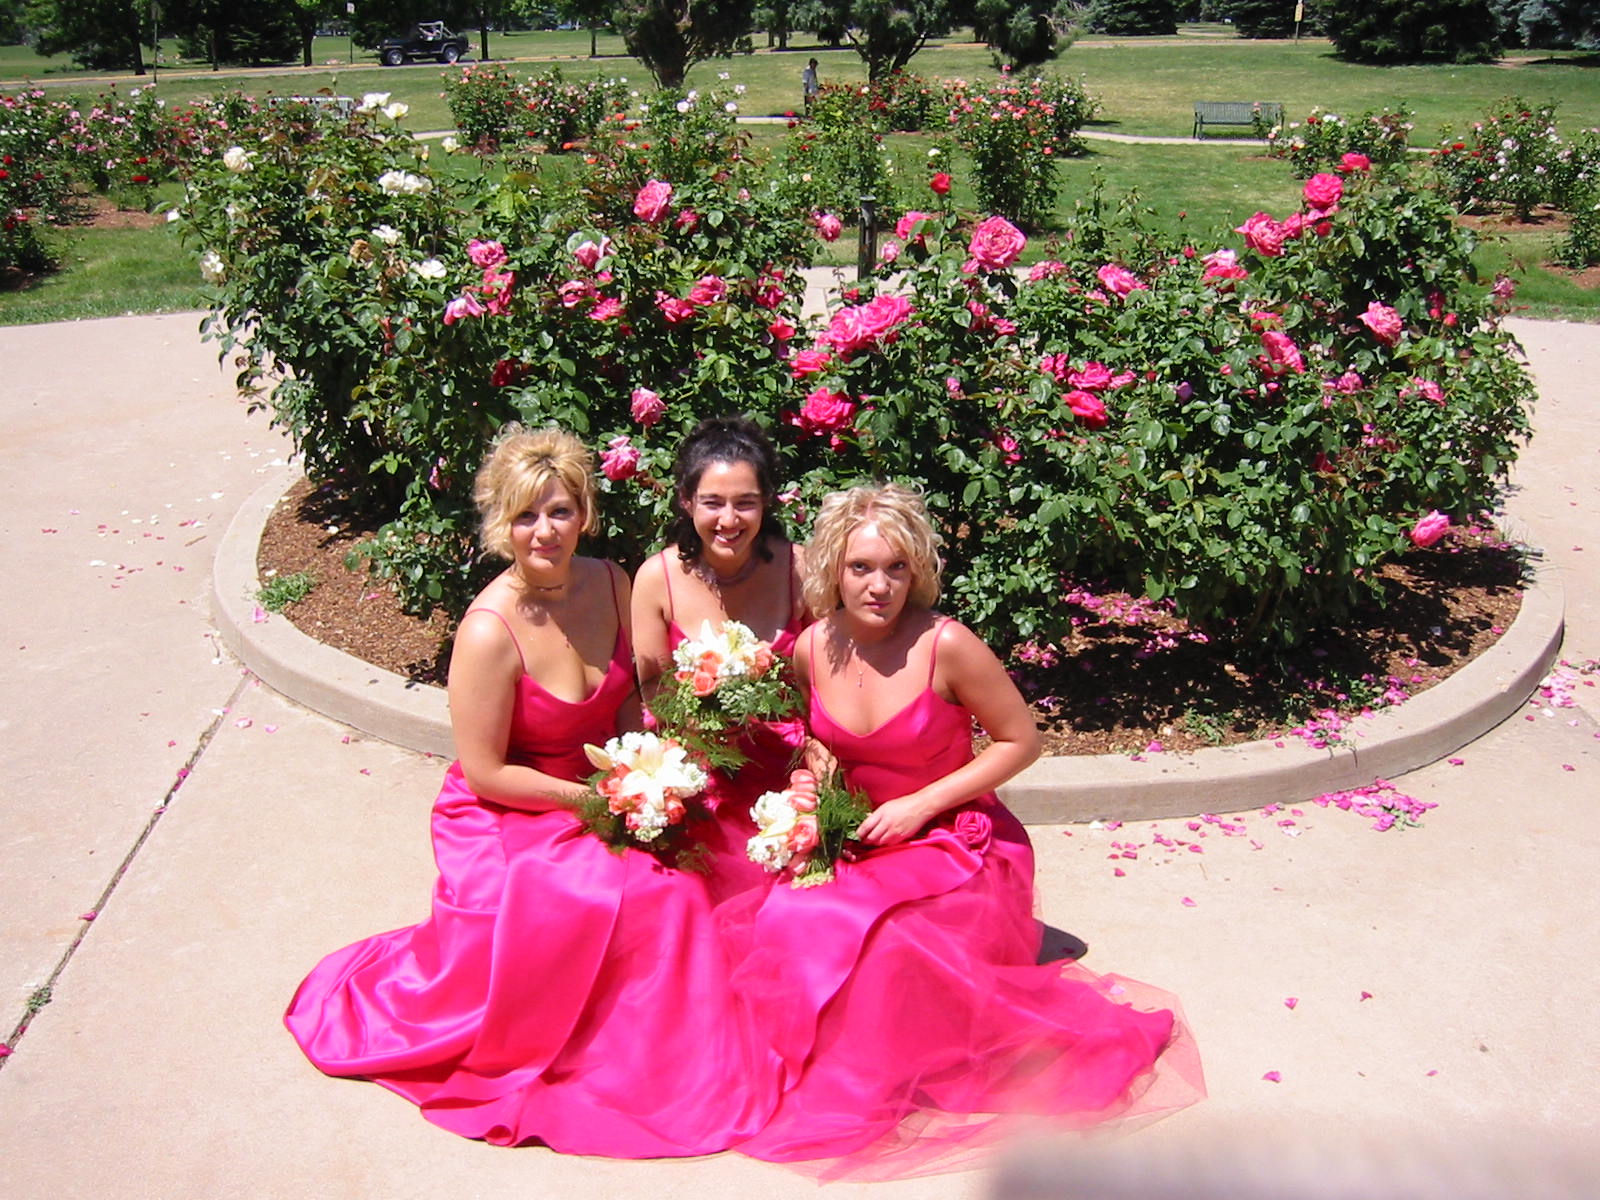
[867, 247]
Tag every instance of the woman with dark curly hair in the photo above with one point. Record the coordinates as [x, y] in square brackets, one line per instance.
[726, 559]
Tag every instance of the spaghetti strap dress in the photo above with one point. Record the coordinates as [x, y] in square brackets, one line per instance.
[559, 992]
[772, 750]
[905, 1000]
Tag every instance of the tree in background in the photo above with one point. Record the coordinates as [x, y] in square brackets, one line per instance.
[593, 15]
[670, 36]
[97, 33]
[1549, 24]
[1259, 18]
[1028, 33]
[1125, 18]
[822, 18]
[1384, 32]
[772, 18]
[885, 33]
[223, 31]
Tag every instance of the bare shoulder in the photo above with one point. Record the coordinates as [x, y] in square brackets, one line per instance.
[958, 646]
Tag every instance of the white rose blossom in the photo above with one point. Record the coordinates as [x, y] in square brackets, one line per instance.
[237, 160]
[212, 268]
[404, 183]
[387, 234]
[429, 268]
[396, 111]
[450, 143]
[372, 101]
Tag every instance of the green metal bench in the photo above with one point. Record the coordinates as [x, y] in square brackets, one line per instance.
[1235, 114]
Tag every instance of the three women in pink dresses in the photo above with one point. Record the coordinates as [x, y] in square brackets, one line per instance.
[891, 1022]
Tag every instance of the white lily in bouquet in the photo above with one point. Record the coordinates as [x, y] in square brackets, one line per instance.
[641, 793]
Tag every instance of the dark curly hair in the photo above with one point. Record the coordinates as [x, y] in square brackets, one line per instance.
[724, 440]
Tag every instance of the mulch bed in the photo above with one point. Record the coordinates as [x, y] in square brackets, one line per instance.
[1130, 674]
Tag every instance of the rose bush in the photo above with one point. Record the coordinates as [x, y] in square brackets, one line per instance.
[1322, 140]
[1245, 429]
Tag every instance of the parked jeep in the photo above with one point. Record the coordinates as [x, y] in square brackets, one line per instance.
[427, 39]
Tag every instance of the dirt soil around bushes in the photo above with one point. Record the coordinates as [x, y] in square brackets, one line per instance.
[1130, 673]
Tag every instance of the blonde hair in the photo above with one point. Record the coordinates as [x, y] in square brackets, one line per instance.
[520, 464]
[902, 521]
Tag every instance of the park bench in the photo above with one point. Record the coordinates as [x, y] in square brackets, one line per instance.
[1235, 114]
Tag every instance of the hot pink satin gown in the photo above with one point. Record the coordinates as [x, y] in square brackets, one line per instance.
[559, 992]
[905, 1001]
[772, 749]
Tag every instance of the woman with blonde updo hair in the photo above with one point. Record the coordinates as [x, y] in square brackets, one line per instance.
[548, 996]
[904, 999]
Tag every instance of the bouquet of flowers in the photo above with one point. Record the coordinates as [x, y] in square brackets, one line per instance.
[640, 794]
[721, 681]
[803, 829]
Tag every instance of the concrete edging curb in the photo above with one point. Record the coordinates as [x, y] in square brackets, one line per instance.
[1053, 790]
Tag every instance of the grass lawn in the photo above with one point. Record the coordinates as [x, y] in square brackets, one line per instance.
[1147, 86]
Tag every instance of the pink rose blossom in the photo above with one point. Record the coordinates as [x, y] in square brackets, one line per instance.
[1429, 529]
[651, 202]
[1282, 352]
[828, 226]
[1091, 377]
[620, 460]
[485, 254]
[1384, 322]
[674, 310]
[1263, 235]
[904, 226]
[1504, 288]
[782, 330]
[1294, 225]
[1323, 191]
[574, 292]
[809, 362]
[940, 183]
[462, 307]
[996, 244]
[646, 406]
[825, 411]
[1348, 383]
[1223, 264]
[496, 290]
[1353, 163]
[1088, 408]
[708, 289]
[687, 220]
[803, 837]
[952, 385]
[605, 309]
[1007, 445]
[890, 252]
[1119, 280]
[590, 253]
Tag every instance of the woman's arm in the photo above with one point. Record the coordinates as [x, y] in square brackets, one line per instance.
[978, 682]
[484, 669]
[651, 657]
[818, 759]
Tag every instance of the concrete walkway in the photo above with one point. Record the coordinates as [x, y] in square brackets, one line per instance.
[223, 839]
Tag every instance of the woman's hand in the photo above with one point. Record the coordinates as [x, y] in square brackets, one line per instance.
[896, 821]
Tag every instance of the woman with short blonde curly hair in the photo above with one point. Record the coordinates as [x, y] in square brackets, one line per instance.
[899, 513]
[517, 468]
[905, 999]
